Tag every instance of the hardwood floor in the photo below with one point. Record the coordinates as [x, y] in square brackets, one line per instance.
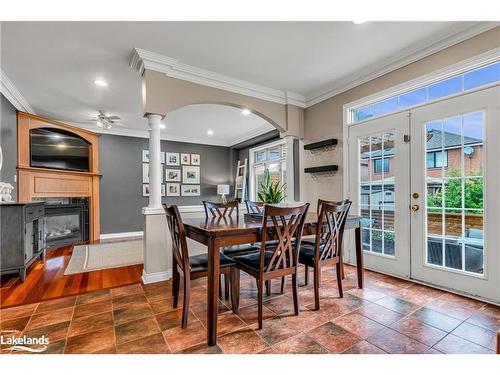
[46, 280]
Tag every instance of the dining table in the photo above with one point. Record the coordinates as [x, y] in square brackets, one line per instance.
[217, 233]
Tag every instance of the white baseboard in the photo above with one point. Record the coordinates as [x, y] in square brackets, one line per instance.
[107, 236]
[149, 278]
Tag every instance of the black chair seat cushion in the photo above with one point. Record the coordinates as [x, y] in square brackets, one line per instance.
[232, 251]
[252, 260]
[307, 251]
[199, 262]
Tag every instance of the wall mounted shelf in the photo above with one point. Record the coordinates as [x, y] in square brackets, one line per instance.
[322, 169]
[321, 144]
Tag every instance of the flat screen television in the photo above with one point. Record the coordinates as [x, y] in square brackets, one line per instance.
[58, 149]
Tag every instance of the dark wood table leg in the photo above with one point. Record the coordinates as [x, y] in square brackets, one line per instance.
[212, 291]
[359, 256]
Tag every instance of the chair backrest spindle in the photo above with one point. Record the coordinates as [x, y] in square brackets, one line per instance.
[178, 235]
[285, 223]
[221, 210]
[332, 218]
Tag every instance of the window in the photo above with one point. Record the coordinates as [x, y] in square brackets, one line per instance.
[377, 165]
[437, 159]
[261, 155]
[269, 157]
[472, 79]
[445, 88]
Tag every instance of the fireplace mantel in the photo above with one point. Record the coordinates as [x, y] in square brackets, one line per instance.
[51, 183]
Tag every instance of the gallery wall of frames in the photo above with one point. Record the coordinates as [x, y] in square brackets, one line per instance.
[180, 174]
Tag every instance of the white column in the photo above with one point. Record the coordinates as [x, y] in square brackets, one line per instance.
[157, 243]
[289, 174]
[154, 161]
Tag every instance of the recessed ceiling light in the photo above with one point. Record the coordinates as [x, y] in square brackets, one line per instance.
[210, 132]
[246, 111]
[358, 22]
[101, 82]
[162, 126]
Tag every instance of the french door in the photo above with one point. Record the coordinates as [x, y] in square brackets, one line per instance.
[379, 184]
[427, 184]
[455, 187]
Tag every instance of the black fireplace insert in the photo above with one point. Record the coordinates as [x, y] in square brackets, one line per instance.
[66, 221]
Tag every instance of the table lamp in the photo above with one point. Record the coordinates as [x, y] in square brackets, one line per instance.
[223, 190]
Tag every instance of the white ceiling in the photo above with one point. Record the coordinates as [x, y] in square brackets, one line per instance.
[228, 124]
[54, 64]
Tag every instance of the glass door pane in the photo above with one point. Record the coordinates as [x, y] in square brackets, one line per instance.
[454, 186]
[377, 194]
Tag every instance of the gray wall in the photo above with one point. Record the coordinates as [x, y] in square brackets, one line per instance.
[8, 140]
[121, 184]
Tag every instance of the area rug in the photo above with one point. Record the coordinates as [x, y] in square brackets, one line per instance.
[86, 258]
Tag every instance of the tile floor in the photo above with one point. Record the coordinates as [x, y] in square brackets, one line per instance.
[388, 316]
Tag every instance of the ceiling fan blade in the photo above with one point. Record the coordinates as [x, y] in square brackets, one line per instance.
[112, 118]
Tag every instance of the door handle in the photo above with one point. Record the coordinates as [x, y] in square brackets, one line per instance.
[414, 207]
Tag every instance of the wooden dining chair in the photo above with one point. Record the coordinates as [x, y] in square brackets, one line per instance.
[327, 247]
[258, 208]
[285, 224]
[313, 241]
[224, 212]
[254, 207]
[193, 267]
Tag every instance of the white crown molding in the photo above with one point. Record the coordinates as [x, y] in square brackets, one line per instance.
[488, 57]
[142, 59]
[13, 95]
[407, 56]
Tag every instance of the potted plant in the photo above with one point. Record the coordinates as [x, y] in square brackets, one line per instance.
[271, 192]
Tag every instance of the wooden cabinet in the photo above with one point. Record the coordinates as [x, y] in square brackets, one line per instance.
[36, 182]
[22, 236]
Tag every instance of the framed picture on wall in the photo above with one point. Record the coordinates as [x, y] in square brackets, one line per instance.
[172, 174]
[190, 175]
[185, 159]
[145, 156]
[145, 190]
[190, 190]
[145, 173]
[173, 189]
[172, 158]
[195, 159]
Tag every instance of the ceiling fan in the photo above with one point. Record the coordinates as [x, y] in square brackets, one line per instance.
[105, 122]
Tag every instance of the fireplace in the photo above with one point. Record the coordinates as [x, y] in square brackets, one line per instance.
[66, 221]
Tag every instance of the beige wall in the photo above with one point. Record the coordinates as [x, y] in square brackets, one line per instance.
[163, 94]
[324, 120]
